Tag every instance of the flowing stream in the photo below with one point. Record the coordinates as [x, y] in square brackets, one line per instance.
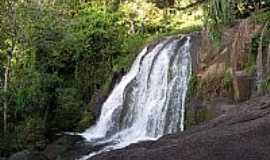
[149, 100]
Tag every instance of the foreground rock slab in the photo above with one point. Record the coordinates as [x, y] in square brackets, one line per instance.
[242, 133]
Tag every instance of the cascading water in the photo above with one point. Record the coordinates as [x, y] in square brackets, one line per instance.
[149, 100]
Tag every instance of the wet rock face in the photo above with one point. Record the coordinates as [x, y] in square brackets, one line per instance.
[241, 133]
[100, 96]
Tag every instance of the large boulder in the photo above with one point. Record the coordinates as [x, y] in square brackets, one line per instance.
[242, 84]
[23, 155]
[68, 147]
[26, 155]
[241, 133]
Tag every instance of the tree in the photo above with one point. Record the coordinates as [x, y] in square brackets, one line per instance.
[9, 30]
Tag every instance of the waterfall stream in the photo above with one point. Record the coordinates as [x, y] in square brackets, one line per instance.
[149, 100]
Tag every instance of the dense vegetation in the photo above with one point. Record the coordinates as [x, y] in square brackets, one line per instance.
[55, 54]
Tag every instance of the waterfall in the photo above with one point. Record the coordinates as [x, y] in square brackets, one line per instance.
[149, 100]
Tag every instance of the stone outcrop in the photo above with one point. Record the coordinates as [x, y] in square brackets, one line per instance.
[27, 155]
[68, 147]
[214, 59]
[220, 70]
[243, 132]
[242, 83]
[23, 155]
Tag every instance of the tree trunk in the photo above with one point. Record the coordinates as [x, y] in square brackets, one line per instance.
[5, 91]
[12, 11]
[259, 61]
[268, 61]
[132, 26]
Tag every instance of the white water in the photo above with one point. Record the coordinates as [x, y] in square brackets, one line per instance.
[149, 101]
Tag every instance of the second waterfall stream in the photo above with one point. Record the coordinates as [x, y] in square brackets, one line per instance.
[149, 101]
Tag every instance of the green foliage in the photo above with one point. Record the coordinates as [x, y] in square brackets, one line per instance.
[61, 50]
[196, 117]
[70, 106]
[228, 81]
[143, 15]
[250, 67]
[256, 41]
[30, 133]
[265, 85]
[56, 68]
[148, 17]
[215, 16]
[245, 7]
[192, 86]
[220, 12]
[262, 16]
[129, 50]
[86, 119]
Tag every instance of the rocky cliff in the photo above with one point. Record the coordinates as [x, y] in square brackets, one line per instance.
[224, 70]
